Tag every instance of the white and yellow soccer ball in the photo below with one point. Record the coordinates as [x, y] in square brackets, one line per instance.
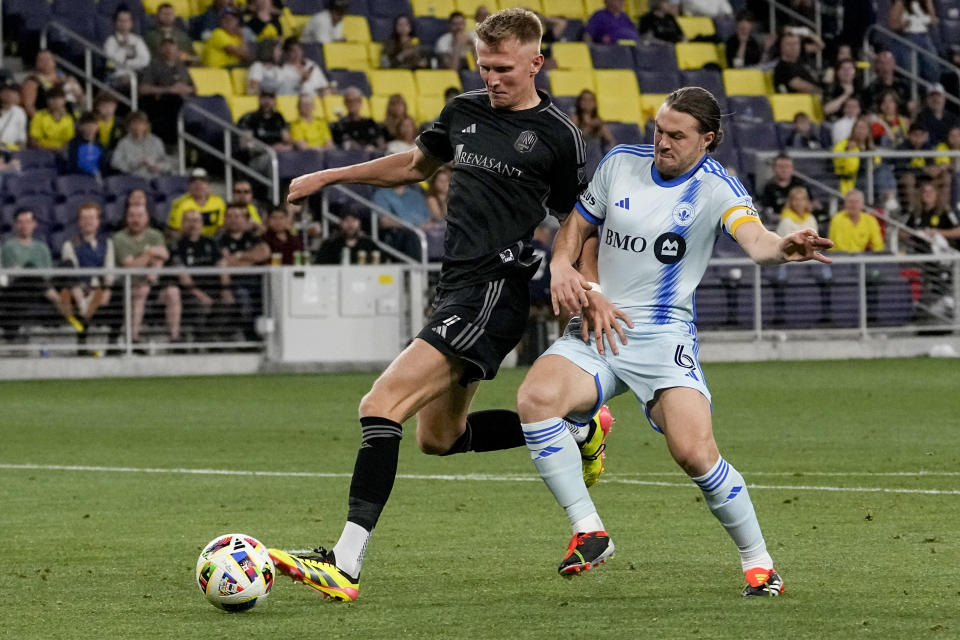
[234, 571]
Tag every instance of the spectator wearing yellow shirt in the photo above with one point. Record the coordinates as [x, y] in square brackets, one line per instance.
[853, 230]
[53, 127]
[226, 46]
[210, 206]
[308, 132]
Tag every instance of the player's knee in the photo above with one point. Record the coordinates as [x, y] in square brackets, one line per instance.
[432, 446]
[537, 400]
[695, 457]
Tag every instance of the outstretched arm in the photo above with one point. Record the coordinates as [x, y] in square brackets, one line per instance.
[568, 287]
[767, 248]
[388, 171]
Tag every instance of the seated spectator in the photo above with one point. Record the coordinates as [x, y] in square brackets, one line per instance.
[203, 26]
[226, 46]
[13, 119]
[742, 48]
[243, 194]
[43, 78]
[933, 218]
[105, 108]
[852, 171]
[844, 87]
[140, 152]
[934, 117]
[792, 75]
[913, 171]
[610, 24]
[284, 243]
[52, 127]
[138, 245]
[407, 203]
[138, 198]
[264, 20]
[797, 215]
[241, 247]
[166, 28]
[90, 248]
[163, 86]
[853, 230]
[267, 126]
[126, 51]
[309, 132]
[210, 206]
[775, 193]
[804, 135]
[84, 153]
[406, 137]
[842, 126]
[345, 246]
[23, 251]
[396, 113]
[401, 50]
[299, 75]
[353, 130]
[199, 293]
[952, 144]
[264, 73]
[660, 21]
[436, 226]
[453, 47]
[593, 128]
[889, 126]
[885, 79]
[327, 25]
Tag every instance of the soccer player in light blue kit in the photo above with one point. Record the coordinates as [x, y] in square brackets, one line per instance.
[659, 210]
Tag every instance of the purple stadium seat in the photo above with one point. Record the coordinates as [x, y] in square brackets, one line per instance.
[381, 28]
[611, 56]
[345, 79]
[171, 185]
[65, 213]
[201, 127]
[360, 7]
[337, 157]
[648, 56]
[471, 80]
[542, 81]
[37, 159]
[567, 104]
[41, 205]
[709, 79]
[390, 9]
[663, 81]
[314, 51]
[291, 164]
[625, 132]
[750, 108]
[573, 31]
[33, 15]
[306, 7]
[39, 181]
[429, 30]
[755, 135]
[117, 187]
[78, 184]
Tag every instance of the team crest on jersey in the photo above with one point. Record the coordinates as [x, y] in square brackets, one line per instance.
[669, 247]
[683, 213]
[525, 141]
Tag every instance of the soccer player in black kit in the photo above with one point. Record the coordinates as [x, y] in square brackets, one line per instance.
[515, 155]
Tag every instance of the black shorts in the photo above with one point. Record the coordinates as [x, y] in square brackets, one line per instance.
[479, 324]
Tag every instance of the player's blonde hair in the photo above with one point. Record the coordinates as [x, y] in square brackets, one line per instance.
[508, 24]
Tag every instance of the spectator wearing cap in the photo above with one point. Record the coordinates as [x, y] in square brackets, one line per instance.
[13, 119]
[226, 46]
[660, 22]
[166, 28]
[52, 127]
[140, 152]
[163, 86]
[125, 50]
[198, 197]
[353, 130]
[85, 154]
[934, 116]
[327, 25]
[610, 24]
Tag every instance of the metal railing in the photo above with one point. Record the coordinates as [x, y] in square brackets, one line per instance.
[87, 73]
[226, 154]
[816, 25]
[915, 53]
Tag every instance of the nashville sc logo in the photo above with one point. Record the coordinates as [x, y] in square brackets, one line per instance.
[481, 161]
[525, 141]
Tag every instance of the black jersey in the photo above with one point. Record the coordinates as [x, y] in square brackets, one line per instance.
[509, 169]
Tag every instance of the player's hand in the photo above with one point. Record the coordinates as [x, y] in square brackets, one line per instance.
[804, 245]
[305, 185]
[604, 320]
[568, 288]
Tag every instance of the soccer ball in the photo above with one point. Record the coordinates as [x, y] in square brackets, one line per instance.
[234, 571]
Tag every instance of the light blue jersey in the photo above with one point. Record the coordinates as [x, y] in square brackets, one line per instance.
[657, 235]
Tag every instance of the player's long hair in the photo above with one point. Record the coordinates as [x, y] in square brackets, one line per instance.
[507, 24]
[699, 103]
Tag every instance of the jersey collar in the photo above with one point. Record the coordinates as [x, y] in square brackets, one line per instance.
[674, 181]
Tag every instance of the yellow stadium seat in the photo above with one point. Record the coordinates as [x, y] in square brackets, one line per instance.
[386, 82]
[334, 108]
[238, 78]
[356, 29]
[378, 107]
[650, 103]
[567, 8]
[433, 8]
[183, 8]
[616, 81]
[199, 6]
[211, 81]
[375, 54]
[533, 5]
[620, 108]
[434, 82]
[787, 105]
[570, 83]
[291, 23]
[469, 7]
[694, 55]
[572, 55]
[198, 47]
[744, 82]
[429, 107]
[693, 26]
[241, 105]
[287, 107]
[346, 55]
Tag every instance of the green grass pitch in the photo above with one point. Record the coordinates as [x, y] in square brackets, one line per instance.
[854, 468]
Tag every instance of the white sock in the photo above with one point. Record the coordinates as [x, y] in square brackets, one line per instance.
[557, 457]
[591, 523]
[578, 431]
[350, 548]
[726, 495]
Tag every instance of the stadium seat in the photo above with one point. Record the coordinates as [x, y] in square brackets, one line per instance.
[117, 187]
[182, 7]
[433, 8]
[356, 29]
[649, 104]
[386, 82]
[429, 30]
[950, 29]
[625, 132]
[618, 96]
[203, 128]
[750, 108]
[380, 28]
[611, 56]
[314, 51]
[305, 7]
[570, 83]
[171, 185]
[694, 55]
[567, 104]
[242, 105]
[693, 26]
[375, 54]
[334, 108]
[344, 79]
[787, 105]
[211, 81]
[287, 107]
[77, 184]
[659, 81]
[29, 183]
[572, 56]
[744, 82]
[37, 159]
[41, 205]
[378, 107]
[435, 82]
[390, 9]
[292, 24]
[654, 56]
[429, 107]
[346, 55]
[238, 78]
[291, 164]
[469, 7]
[758, 136]
[709, 79]
[568, 9]
[65, 213]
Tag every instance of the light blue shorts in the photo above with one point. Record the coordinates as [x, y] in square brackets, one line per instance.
[656, 357]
